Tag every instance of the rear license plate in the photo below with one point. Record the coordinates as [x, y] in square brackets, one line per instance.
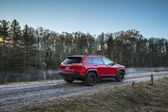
[67, 68]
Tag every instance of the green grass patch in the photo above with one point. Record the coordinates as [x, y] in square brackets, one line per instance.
[144, 97]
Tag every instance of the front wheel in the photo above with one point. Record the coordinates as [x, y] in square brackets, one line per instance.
[91, 79]
[120, 76]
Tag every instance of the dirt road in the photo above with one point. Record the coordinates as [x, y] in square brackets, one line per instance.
[16, 95]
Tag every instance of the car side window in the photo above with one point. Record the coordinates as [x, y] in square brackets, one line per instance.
[107, 61]
[89, 60]
[98, 60]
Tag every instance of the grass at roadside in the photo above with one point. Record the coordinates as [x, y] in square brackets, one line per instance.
[144, 97]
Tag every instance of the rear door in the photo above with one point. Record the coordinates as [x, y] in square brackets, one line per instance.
[68, 64]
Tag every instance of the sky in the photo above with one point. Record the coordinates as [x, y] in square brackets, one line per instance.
[150, 17]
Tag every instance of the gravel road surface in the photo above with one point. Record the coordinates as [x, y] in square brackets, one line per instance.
[16, 95]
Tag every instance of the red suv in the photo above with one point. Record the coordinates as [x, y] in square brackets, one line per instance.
[90, 68]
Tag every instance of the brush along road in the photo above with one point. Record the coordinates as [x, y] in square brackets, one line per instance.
[14, 96]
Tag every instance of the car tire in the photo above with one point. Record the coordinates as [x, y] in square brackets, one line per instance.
[120, 76]
[68, 80]
[91, 79]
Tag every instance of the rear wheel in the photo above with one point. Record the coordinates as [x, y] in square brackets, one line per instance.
[120, 76]
[68, 80]
[91, 79]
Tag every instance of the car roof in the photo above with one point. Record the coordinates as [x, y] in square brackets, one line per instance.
[77, 56]
[86, 56]
[95, 56]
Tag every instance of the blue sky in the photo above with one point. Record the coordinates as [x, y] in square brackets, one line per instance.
[150, 17]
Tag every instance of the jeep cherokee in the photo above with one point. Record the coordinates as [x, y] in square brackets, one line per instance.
[90, 68]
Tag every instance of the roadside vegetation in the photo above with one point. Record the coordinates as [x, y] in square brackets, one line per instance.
[143, 97]
[27, 51]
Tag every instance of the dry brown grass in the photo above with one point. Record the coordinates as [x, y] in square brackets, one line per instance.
[144, 97]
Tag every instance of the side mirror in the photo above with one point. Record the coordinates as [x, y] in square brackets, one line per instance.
[112, 64]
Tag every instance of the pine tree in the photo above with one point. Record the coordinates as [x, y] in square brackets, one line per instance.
[4, 33]
[28, 46]
[15, 32]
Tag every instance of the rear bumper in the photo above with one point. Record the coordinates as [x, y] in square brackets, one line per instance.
[72, 75]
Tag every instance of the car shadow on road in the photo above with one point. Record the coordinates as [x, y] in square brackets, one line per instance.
[99, 82]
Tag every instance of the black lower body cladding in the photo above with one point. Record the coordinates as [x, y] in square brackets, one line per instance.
[72, 75]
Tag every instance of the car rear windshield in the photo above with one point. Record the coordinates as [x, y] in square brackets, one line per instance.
[72, 60]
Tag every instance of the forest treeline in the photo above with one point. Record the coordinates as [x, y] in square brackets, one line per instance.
[27, 47]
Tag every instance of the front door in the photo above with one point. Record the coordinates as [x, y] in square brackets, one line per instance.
[99, 65]
[110, 69]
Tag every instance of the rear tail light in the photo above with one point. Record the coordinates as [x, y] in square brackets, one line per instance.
[75, 67]
[62, 67]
